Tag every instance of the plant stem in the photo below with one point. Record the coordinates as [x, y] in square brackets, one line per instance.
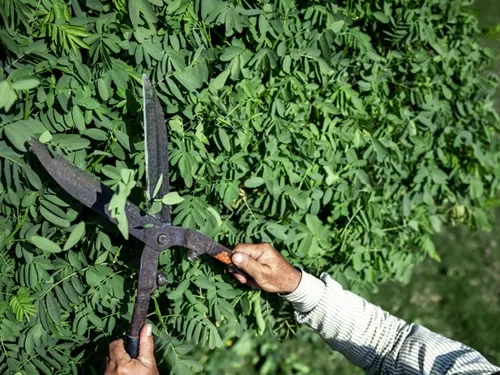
[18, 226]
[26, 105]
[158, 313]
[65, 278]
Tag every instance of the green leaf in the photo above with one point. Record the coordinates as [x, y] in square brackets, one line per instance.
[363, 177]
[7, 95]
[82, 326]
[70, 292]
[33, 179]
[102, 87]
[158, 186]
[138, 7]
[179, 292]
[218, 82]
[438, 176]
[381, 17]
[436, 223]
[257, 309]
[93, 277]
[45, 137]
[78, 118]
[97, 134]
[26, 84]
[429, 247]
[406, 205]
[336, 26]
[254, 182]
[118, 201]
[18, 134]
[447, 92]
[193, 78]
[278, 231]
[224, 138]
[379, 149]
[45, 244]
[22, 305]
[53, 218]
[172, 198]
[176, 125]
[53, 308]
[174, 89]
[75, 236]
[357, 102]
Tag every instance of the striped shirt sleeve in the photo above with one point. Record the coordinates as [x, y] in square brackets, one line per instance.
[376, 341]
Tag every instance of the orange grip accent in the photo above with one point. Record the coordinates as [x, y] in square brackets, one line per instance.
[223, 257]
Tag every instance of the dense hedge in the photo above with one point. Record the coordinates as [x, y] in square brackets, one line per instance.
[345, 133]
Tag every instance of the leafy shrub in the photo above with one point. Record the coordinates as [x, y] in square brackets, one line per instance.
[346, 134]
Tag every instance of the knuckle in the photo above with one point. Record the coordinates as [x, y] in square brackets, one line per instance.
[268, 247]
[242, 248]
[122, 370]
[115, 345]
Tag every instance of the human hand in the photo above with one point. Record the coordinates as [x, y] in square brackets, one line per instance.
[120, 363]
[269, 270]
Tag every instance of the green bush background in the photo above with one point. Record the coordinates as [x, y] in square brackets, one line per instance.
[347, 152]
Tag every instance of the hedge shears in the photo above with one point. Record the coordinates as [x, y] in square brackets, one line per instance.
[156, 232]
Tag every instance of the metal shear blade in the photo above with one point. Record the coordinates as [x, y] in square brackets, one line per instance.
[95, 195]
[155, 146]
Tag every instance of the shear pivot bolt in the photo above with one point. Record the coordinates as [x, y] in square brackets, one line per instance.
[162, 239]
[161, 279]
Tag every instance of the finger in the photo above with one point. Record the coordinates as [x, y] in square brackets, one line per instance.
[252, 284]
[248, 264]
[242, 279]
[254, 250]
[146, 347]
[117, 350]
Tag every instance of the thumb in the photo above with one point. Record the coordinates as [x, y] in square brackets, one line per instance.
[247, 264]
[146, 347]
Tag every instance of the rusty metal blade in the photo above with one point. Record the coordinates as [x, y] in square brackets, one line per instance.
[156, 146]
[93, 194]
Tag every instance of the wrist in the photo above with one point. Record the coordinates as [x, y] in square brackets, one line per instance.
[308, 294]
[294, 278]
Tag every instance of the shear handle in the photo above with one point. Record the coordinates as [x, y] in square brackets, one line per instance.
[224, 254]
[147, 284]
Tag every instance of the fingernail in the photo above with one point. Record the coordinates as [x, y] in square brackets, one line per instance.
[148, 330]
[237, 258]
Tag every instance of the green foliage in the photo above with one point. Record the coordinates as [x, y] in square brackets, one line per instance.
[345, 134]
[306, 353]
[117, 203]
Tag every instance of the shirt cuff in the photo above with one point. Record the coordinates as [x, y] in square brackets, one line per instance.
[308, 293]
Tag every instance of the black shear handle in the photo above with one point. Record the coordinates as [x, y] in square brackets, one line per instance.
[138, 321]
[132, 346]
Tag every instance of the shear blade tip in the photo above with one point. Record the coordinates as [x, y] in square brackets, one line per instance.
[39, 149]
